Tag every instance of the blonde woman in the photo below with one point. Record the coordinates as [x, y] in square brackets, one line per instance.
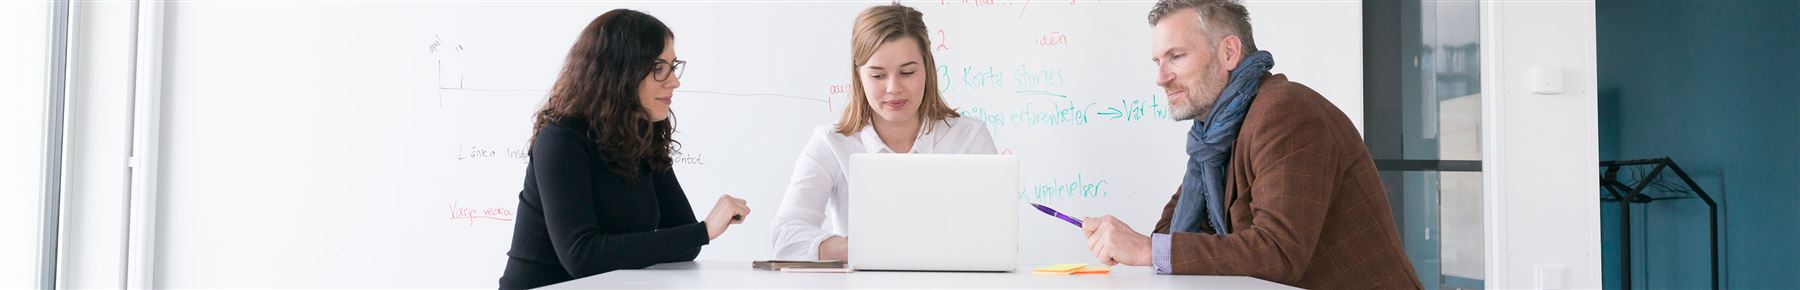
[894, 107]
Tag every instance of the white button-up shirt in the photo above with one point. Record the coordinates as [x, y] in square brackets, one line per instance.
[820, 182]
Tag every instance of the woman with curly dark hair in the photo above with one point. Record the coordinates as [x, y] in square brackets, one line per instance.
[600, 194]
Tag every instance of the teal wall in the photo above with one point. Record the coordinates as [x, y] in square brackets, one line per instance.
[1715, 85]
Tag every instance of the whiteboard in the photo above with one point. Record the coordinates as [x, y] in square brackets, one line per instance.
[381, 144]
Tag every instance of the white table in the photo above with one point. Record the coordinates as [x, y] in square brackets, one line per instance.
[738, 274]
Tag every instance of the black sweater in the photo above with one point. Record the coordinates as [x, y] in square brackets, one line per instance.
[577, 218]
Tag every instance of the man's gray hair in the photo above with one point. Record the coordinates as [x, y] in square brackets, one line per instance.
[1227, 14]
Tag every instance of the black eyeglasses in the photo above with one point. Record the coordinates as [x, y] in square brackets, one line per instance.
[665, 69]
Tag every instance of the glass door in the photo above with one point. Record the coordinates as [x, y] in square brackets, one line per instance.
[1423, 127]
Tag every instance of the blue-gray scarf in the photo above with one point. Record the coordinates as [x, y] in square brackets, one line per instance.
[1209, 147]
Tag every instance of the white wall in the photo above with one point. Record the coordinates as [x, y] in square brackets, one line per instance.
[1542, 150]
[25, 26]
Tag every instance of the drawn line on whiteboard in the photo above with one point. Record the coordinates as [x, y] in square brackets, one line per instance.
[493, 90]
[1040, 93]
[1115, 113]
[753, 95]
[472, 219]
[440, 79]
[1022, 9]
[481, 217]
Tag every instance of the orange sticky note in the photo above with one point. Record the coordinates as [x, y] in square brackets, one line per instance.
[1069, 269]
[1060, 268]
[1093, 270]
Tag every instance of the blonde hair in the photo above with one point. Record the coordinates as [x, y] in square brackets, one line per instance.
[880, 25]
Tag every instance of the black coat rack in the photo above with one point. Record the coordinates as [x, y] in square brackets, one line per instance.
[1650, 187]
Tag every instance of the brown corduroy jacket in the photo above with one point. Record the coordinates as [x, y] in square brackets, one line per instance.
[1305, 203]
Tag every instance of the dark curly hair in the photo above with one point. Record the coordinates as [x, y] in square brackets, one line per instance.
[599, 84]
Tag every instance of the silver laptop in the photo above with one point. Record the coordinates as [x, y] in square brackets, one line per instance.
[934, 212]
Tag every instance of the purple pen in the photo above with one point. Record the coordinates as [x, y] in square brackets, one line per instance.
[1059, 215]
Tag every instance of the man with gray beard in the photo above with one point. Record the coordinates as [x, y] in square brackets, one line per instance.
[1278, 185]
